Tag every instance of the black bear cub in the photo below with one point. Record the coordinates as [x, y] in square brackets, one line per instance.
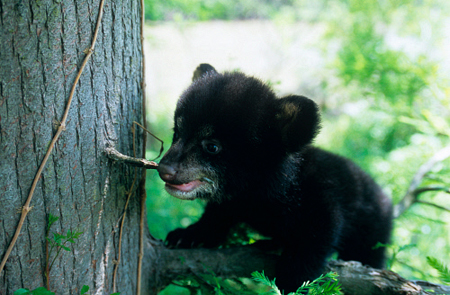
[248, 153]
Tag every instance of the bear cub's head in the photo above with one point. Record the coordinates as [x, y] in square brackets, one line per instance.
[231, 133]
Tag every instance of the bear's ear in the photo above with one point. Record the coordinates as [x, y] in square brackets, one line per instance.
[201, 70]
[299, 120]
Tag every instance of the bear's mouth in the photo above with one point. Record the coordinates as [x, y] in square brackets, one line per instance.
[185, 191]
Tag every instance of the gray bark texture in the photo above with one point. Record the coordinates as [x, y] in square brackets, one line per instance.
[41, 50]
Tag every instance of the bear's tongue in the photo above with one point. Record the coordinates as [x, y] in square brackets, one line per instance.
[185, 187]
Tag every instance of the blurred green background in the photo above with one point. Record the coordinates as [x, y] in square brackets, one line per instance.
[379, 69]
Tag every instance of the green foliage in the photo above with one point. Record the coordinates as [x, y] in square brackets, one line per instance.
[389, 73]
[84, 289]
[51, 219]
[395, 114]
[202, 10]
[209, 284]
[395, 250]
[37, 291]
[260, 277]
[444, 272]
[325, 284]
[260, 284]
[58, 242]
[368, 62]
[242, 234]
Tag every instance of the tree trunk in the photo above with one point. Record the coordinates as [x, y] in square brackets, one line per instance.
[41, 50]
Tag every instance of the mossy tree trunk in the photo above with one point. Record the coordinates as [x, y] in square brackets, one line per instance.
[41, 50]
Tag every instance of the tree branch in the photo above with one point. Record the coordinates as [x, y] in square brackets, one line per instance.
[115, 155]
[359, 279]
[434, 205]
[242, 261]
[230, 263]
[413, 190]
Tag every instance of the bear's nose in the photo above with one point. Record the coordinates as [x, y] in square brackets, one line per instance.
[166, 172]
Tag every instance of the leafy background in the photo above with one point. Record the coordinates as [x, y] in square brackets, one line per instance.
[380, 74]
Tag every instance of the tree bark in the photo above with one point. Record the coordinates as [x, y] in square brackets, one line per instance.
[41, 49]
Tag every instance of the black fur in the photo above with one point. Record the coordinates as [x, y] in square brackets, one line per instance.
[248, 153]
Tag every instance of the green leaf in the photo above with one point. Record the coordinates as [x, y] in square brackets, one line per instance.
[73, 235]
[21, 292]
[51, 219]
[444, 272]
[380, 245]
[58, 237]
[324, 285]
[117, 293]
[84, 289]
[42, 291]
[65, 248]
[406, 247]
[182, 260]
[262, 278]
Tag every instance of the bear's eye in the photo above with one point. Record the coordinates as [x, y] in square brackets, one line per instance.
[211, 147]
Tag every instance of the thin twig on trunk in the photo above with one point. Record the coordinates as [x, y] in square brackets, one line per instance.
[115, 155]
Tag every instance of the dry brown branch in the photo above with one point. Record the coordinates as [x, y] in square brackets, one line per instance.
[414, 190]
[421, 190]
[433, 205]
[26, 207]
[161, 149]
[113, 154]
[432, 188]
